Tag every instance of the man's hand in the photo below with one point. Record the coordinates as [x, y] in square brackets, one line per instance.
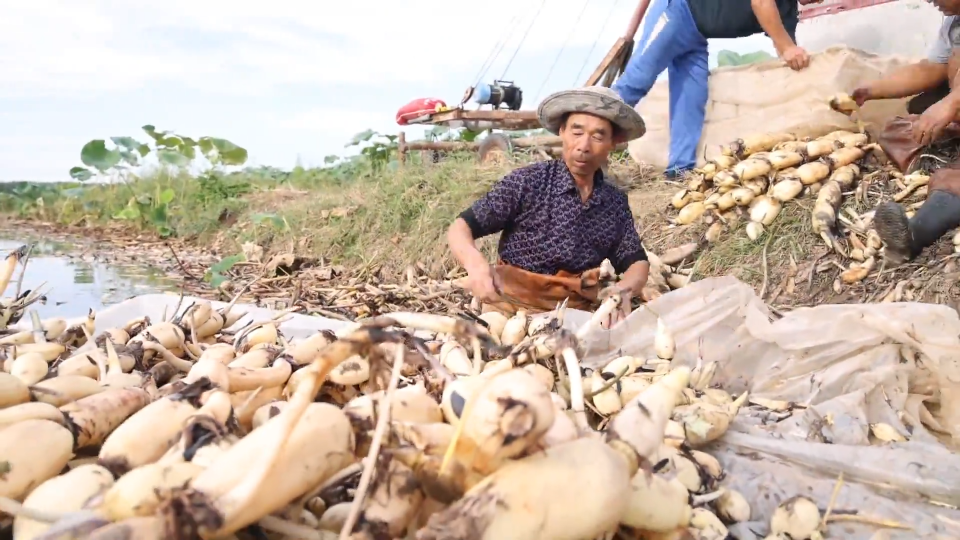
[795, 57]
[480, 283]
[622, 311]
[861, 95]
[931, 123]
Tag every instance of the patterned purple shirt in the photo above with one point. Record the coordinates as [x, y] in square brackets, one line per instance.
[546, 226]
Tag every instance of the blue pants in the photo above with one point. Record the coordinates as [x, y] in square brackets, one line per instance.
[671, 41]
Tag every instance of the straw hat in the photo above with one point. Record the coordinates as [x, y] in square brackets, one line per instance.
[596, 100]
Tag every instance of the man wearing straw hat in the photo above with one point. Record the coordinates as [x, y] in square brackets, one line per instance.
[559, 219]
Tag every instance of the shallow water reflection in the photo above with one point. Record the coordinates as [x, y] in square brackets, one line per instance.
[72, 285]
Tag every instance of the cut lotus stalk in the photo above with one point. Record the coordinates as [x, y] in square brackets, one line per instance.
[733, 507]
[726, 179]
[60, 391]
[28, 465]
[244, 379]
[455, 358]
[913, 182]
[30, 368]
[765, 210]
[677, 255]
[742, 196]
[262, 332]
[77, 335]
[605, 397]
[256, 359]
[167, 334]
[821, 147]
[664, 345]
[843, 103]
[147, 434]
[306, 351]
[392, 503]
[708, 525]
[30, 411]
[508, 415]
[139, 492]
[726, 202]
[642, 422]
[784, 159]
[83, 364]
[786, 190]
[852, 139]
[10, 265]
[754, 230]
[797, 517]
[858, 273]
[60, 495]
[751, 168]
[49, 351]
[813, 172]
[496, 322]
[495, 509]
[94, 417]
[685, 197]
[762, 142]
[717, 164]
[657, 504]
[690, 213]
[678, 464]
[713, 232]
[844, 156]
[704, 423]
[225, 493]
[758, 186]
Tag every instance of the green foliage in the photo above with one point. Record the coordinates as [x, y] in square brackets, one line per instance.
[216, 274]
[731, 58]
[172, 151]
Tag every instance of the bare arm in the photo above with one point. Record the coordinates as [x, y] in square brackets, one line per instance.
[769, 18]
[635, 278]
[909, 80]
[464, 247]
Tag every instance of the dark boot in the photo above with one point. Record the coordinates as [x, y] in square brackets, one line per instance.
[905, 238]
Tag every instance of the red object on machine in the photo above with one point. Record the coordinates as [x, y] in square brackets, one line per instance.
[831, 7]
[418, 108]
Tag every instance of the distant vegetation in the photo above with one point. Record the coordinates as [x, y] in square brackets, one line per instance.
[354, 208]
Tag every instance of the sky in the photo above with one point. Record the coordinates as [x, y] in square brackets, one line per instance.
[289, 80]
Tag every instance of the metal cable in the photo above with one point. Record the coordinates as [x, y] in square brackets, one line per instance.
[524, 38]
[559, 54]
[496, 50]
[602, 30]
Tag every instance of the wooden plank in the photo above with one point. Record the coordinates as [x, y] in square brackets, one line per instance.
[609, 59]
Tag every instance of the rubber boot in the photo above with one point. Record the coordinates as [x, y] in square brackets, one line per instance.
[905, 238]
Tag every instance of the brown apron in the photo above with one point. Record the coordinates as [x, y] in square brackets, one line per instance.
[537, 293]
[897, 142]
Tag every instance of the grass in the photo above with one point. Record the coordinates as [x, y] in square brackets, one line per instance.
[387, 218]
[391, 218]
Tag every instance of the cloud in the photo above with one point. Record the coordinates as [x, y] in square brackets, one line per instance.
[290, 80]
[250, 47]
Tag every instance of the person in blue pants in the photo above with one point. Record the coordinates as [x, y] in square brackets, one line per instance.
[675, 34]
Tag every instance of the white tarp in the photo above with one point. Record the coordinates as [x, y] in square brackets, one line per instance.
[844, 362]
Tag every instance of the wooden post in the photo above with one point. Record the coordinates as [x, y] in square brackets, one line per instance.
[401, 148]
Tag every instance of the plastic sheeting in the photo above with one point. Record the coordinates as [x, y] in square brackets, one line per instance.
[848, 365]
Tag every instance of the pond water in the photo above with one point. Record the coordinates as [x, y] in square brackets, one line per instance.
[72, 286]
